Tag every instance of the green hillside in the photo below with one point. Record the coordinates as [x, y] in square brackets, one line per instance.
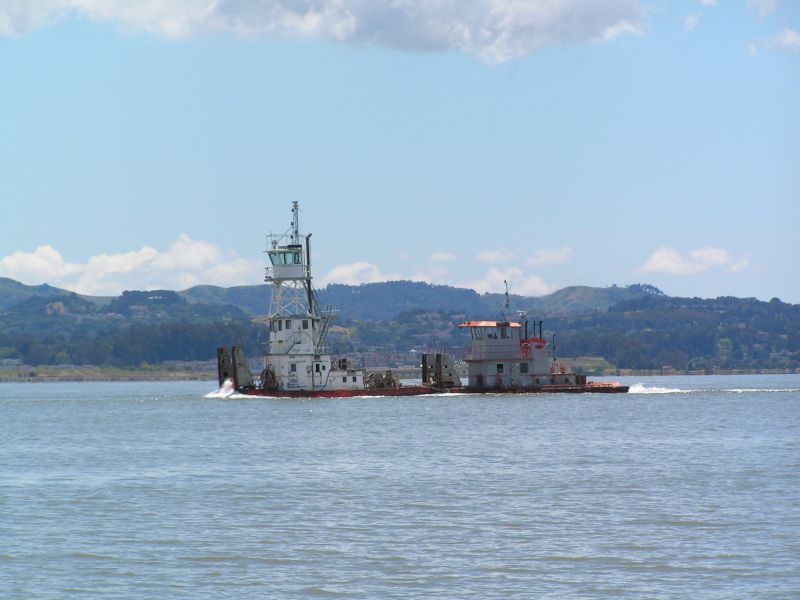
[635, 327]
[387, 300]
[12, 292]
[252, 299]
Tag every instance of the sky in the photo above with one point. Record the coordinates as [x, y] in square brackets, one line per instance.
[545, 143]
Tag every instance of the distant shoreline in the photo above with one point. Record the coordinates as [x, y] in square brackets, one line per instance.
[100, 374]
[112, 374]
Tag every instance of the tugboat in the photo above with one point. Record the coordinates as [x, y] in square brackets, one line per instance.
[503, 359]
[299, 364]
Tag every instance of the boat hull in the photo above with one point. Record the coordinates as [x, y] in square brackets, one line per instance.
[401, 391]
[589, 388]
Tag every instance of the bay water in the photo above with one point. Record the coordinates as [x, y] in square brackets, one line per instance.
[688, 487]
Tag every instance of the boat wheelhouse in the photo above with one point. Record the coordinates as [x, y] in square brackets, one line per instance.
[505, 359]
[503, 356]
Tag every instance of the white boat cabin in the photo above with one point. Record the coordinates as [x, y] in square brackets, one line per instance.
[297, 358]
[502, 357]
[297, 364]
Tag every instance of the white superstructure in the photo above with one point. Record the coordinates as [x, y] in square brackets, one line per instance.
[297, 358]
[503, 358]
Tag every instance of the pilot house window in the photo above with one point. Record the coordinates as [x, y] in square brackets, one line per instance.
[499, 368]
[285, 258]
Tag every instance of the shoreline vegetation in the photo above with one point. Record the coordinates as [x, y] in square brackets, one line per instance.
[55, 374]
[170, 335]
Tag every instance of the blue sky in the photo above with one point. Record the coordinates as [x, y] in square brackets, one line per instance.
[565, 142]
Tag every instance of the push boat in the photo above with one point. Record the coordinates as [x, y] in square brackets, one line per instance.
[299, 364]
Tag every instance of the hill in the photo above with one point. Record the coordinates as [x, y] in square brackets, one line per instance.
[375, 301]
[388, 300]
[652, 333]
[252, 299]
[13, 292]
[635, 327]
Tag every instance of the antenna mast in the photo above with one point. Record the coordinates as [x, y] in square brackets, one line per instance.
[295, 222]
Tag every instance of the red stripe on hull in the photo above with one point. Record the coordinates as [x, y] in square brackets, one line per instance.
[590, 388]
[403, 391]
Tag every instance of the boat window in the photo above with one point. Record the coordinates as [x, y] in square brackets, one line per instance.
[523, 367]
[316, 367]
[288, 324]
[323, 367]
[293, 367]
[305, 323]
[499, 368]
[354, 378]
[280, 325]
[285, 258]
[344, 379]
[504, 333]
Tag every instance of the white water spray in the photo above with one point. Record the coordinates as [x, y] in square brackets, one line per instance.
[226, 390]
[639, 388]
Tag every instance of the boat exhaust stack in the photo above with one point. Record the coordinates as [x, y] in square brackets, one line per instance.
[242, 377]
[224, 365]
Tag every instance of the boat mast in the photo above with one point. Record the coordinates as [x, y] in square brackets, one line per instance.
[288, 272]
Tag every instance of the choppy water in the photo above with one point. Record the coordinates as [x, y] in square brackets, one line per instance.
[688, 488]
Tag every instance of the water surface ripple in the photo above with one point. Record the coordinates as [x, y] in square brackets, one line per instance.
[688, 488]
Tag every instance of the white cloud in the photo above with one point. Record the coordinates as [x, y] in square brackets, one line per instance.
[357, 273]
[518, 282]
[498, 255]
[690, 22]
[38, 266]
[788, 39]
[495, 30]
[620, 28]
[441, 257]
[185, 263]
[708, 2]
[763, 7]
[550, 256]
[669, 260]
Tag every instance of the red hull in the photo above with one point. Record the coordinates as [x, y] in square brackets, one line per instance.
[589, 388]
[402, 391]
